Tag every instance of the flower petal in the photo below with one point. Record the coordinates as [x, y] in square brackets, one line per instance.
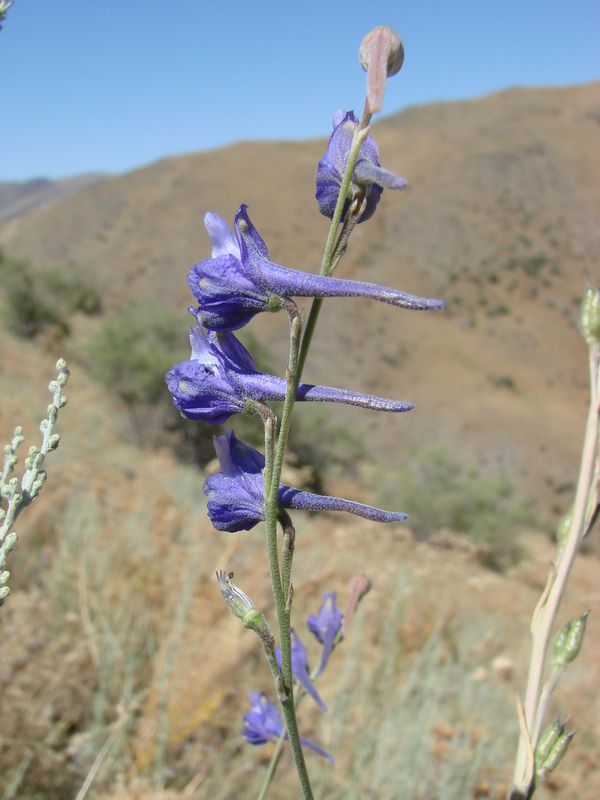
[221, 236]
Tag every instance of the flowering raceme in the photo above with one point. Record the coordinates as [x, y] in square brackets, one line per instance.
[368, 175]
[221, 379]
[236, 493]
[240, 281]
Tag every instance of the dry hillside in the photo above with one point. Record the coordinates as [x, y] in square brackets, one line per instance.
[120, 665]
[500, 220]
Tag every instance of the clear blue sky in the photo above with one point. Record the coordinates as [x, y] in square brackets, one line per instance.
[112, 85]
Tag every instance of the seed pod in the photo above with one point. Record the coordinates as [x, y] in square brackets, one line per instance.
[569, 640]
[589, 320]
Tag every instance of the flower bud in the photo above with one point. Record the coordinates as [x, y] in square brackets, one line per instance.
[569, 640]
[381, 55]
[589, 320]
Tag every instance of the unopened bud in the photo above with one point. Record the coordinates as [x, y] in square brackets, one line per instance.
[569, 640]
[381, 54]
[589, 320]
[240, 604]
[360, 585]
[54, 442]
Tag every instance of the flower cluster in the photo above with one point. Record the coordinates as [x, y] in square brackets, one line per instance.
[263, 722]
[221, 379]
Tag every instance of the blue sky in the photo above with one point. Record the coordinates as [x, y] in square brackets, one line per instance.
[112, 85]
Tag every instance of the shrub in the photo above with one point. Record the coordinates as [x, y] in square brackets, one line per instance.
[41, 303]
[130, 355]
[27, 311]
[73, 291]
[439, 491]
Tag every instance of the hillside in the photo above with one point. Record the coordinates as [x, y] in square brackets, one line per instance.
[17, 199]
[500, 220]
[121, 664]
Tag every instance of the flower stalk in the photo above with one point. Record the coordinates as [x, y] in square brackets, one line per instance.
[538, 694]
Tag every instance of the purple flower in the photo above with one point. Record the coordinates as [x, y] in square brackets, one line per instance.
[263, 723]
[240, 281]
[326, 626]
[368, 173]
[236, 495]
[300, 669]
[221, 378]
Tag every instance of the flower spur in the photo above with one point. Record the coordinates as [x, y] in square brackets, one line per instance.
[240, 280]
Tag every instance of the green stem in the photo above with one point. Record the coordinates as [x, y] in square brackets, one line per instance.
[273, 464]
[274, 456]
[276, 756]
[289, 540]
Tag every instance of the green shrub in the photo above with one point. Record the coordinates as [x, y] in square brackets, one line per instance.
[133, 350]
[37, 303]
[439, 491]
[72, 291]
[28, 312]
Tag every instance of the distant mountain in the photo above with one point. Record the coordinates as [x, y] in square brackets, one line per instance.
[18, 198]
[501, 219]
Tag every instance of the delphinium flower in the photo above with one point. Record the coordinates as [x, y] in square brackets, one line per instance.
[368, 176]
[326, 626]
[300, 669]
[240, 280]
[263, 724]
[221, 379]
[236, 493]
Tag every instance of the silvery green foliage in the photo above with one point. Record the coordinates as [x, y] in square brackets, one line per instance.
[19, 493]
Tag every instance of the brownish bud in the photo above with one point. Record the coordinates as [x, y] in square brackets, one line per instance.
[381, 55]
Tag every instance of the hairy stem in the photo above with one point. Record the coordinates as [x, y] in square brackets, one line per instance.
[283, 680]
[282, 588]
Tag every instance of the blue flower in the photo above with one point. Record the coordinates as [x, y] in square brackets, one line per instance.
[325, 626]
[221, 379]
[300, 669]
[263, 724]
[368, 173]
[240, 281]
[236, 493]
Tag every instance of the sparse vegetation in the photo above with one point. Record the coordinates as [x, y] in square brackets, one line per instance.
[439, 491]
[41, 303]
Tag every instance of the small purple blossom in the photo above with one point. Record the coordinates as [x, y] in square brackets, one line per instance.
[240, 281]
[300, 669]
[368, 173]
[263, 723]
[221, 378]
[325, 626]
[236, 493]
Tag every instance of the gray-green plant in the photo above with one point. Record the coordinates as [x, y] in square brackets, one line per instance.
[540, 749]
[18, 492]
